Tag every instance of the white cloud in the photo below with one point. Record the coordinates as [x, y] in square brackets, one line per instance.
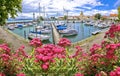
[30, 6]
[102, 12]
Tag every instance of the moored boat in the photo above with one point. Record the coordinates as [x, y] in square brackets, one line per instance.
[96, 32]
[40, 36]
[68, 32]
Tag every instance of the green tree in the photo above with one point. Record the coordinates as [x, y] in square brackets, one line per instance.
[39, 19]
[118, 13]
[98, 16]
[9, 8]
[65, 17]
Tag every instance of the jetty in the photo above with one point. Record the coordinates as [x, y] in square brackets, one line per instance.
[56, 35]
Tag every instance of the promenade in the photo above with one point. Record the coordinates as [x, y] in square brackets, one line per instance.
[13, 40]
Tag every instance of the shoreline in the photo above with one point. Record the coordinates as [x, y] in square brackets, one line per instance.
[85, 43]
[15, 40]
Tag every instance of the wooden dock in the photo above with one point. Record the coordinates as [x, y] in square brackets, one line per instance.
[56, 35]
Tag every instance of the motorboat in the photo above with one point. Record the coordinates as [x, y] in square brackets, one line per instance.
[96, 32]
[19, 25]
[61, 27]
[68, 32]
[40, 36]
[44, 31]
[11, 28]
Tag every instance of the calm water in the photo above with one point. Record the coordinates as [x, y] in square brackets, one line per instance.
[83, 31]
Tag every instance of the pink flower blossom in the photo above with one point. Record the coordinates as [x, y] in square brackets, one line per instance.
[21, 51]
[21, 74]
[113, 29]
[5, 48]
[2, 74]
[64, 42]
[79, 74]
[78, 52]
[112, 73]
[36, 42]
[5, 57]
[111, 46]
[47, 54]
[95, 57]
[116, 72]
[94, 48]
[45, 66]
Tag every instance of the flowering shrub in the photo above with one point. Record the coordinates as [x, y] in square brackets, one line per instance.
[10, 62]
[36, 42]
[55, 60]
[47, 54]
[116, 72]
[113, 33]
[64, 42]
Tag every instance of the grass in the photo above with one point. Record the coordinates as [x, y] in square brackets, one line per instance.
[2, 41]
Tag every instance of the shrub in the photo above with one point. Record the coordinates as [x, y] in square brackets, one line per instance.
[56, 60]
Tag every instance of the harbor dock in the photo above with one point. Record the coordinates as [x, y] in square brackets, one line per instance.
[56, 35]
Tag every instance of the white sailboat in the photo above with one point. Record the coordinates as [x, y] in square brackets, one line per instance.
[68, 32]
[40, 36]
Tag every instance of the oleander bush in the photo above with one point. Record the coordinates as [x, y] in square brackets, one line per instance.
[56, 60]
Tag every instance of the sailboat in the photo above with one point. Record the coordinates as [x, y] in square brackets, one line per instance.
[38, 35]
[68, 32]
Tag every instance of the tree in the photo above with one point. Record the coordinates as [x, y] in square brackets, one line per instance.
[98, 16]
[65, 17]
[118, 13]
[9, 8]
[39, 19]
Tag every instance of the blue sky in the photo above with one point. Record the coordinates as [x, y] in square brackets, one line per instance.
[74, 7]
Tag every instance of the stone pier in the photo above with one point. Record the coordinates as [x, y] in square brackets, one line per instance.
[56, 35]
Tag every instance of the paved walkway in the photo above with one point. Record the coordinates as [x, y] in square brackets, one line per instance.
[14, 41]
[56, 35]
[87, 43]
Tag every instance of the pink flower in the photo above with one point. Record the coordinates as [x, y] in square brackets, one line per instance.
[79, 74]
[113, 29]
[78, 52]
[95, 57]
[94, 48]
[112, 73]
[21, 74]
[64, 42]
[5, 48]
[111, 46]
[21, 51]
[116, 72]
[5, 57]
[2, 74]
[45, 66]
[36, 42]
[47, 54]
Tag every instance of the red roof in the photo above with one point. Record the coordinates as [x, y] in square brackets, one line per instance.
[113, 15]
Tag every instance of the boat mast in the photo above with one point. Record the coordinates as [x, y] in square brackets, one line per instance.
[39, 9]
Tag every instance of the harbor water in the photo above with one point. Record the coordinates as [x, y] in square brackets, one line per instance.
[84, 31]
